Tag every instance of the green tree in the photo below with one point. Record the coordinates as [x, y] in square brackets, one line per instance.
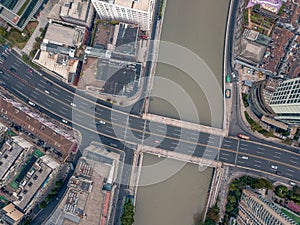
[213, 213]
[128, 214]
[281, 191]
[231, 199]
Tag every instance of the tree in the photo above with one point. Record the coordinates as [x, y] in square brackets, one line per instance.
[281, 191]
[231, 199]
[128, 214]
[213, 213]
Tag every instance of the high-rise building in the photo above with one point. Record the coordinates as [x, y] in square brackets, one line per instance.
[138, 12]
[18, 13]
[255, 210]
[285, 101]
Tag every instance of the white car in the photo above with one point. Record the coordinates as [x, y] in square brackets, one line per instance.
[64, 121]
[233, 75]
[274, 167]
[245, 157]
[47, 92]
[72, 104]
[31, 103]
[102, 122]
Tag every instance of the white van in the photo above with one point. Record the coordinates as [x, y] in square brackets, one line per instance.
[245, 157]
[31, 103]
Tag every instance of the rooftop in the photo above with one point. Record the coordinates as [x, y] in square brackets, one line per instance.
[61, 64]
[126, 41]
[75, 11]
[64, 35]
[142, 5]
[54, 136]
[252, 51]
[33, 183]
[12, 212]
[270, 5]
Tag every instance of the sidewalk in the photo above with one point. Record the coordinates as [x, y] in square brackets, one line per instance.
[184, 124]
[43, 20]
[180, 156]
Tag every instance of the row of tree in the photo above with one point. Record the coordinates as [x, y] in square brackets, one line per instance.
[293, 194]
[235, 192]
[128, 213]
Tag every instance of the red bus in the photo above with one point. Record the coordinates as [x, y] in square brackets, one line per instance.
[242, 136]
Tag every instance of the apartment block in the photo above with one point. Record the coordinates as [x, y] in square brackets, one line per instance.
[255, 210]
[139, 12]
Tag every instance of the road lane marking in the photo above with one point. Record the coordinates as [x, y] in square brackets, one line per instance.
[276, 156]
[293, 171]
[226, 145]
[224, 158]
[228, 150]
[278, 153]
[48, 100]
[262, 153]
[293, 161]
[258, 161]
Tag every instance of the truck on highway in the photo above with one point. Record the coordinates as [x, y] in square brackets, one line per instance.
[243, 136]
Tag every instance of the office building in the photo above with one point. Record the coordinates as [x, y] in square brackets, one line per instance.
[139, 12]
[18, 13]
[255, 210]
[285, 101]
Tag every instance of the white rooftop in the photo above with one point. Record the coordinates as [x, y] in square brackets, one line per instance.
[138, 5]
[62, 35]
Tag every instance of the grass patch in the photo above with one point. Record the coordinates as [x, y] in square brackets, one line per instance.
[11, 133]
[245, 99]
[281, 9]
[256, 127]
[291, 215]
[21, 10]
[17, 38]
[14, 185]
[161, 8]
[246, 19]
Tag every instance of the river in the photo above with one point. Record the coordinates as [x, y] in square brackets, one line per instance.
[177, 200]
[198, 25]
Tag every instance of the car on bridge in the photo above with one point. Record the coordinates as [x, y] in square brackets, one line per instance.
[243, 136]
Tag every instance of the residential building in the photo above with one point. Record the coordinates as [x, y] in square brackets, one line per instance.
[285, 101]
[32, 179]
[60, 140]
[58, 50]
[129, 11]
[255, 210]
[10, 215]
[270, 5]
[79, 12]
[90, 190]
[19, 12]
